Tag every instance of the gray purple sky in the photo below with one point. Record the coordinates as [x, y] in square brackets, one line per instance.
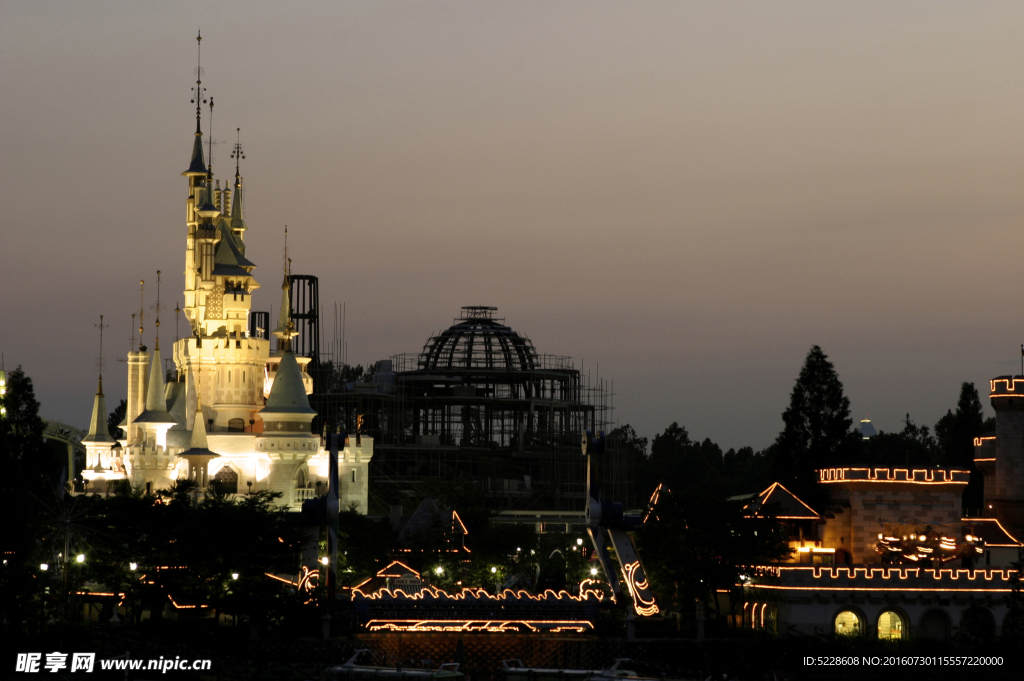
[690, 194]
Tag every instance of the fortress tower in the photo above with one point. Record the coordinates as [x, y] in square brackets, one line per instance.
[1001, 459]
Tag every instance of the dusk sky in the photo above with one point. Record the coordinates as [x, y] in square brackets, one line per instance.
[689, 194]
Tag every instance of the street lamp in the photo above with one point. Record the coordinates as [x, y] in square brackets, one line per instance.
[593, 571]
[234, 575]
[439, 570]
[579, 542]
[325, 560]
[249, 483]
[44, 567]
[80, 558]
[133, 566]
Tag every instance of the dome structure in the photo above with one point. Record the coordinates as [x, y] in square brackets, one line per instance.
[478, 340]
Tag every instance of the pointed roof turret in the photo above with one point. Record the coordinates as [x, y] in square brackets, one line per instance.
[156, 404]
[98, 433]
[288, 394]
[237, 219]
[200, 444]
[208, 209]
[198, 165]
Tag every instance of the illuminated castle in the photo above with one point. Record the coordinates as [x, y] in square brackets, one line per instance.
[233, 412]
[894, 557]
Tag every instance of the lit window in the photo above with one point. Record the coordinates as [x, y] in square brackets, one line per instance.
[890, 626]
[847, 623]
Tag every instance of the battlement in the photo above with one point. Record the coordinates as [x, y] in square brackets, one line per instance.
[870, 578]
[916, 476]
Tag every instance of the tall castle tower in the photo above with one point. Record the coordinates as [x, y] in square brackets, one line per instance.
[1001, 459]
[223, 416]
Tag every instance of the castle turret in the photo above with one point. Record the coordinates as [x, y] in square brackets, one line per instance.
[1005, 490]
[98, 442]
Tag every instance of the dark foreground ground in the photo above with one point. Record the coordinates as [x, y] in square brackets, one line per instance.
[747, 656]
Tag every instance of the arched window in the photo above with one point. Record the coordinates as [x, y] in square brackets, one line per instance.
[935, 624]
[892, 626]
[236, 426]
[300, 479]
[978, 623]
[848, 623]
[227, 480]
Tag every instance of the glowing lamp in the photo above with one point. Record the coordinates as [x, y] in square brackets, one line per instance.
[44, 567]
[80, 558]
[234, 575]
[133, 566]
[579, 542]
[439, 570]
[593, 570]
[494, 569]
[325, 560]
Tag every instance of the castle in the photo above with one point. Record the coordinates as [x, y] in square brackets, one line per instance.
[233, 411]
[894, 556]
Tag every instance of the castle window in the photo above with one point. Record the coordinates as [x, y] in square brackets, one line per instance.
[236, 426]
[848, 623]
[891, 626]
[353, 476]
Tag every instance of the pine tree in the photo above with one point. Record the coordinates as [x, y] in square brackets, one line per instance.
[817, 431]
[955, 433]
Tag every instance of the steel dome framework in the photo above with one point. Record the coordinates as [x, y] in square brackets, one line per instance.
[479, 403]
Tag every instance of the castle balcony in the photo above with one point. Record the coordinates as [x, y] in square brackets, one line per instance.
[301, 494]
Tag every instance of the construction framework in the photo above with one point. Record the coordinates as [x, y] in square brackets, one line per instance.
[480, 405]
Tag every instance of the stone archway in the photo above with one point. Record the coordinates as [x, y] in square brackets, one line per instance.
[935, 624]
[227, 479]
[978, 623]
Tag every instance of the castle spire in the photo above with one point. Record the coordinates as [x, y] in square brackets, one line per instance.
[98, 432]
[285, 330]
[236, 205]
[197, 165]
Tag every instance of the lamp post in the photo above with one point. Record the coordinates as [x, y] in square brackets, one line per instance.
[249, 483]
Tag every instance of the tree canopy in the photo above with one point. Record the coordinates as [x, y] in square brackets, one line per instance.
[817, 430]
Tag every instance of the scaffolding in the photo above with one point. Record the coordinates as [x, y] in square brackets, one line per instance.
[479, 404]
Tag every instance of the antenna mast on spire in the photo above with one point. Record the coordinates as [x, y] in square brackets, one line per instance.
[101, 326]
[286, 250]
[132, 339]
[198, 90]
[158, 309]
[142, 309]
[237, 153]
[210, 164]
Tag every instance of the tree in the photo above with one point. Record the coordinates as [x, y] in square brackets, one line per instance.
[912, 446]
[21, 428]
[694, 545]
[817, 429]
[955, 433]
[115, 417]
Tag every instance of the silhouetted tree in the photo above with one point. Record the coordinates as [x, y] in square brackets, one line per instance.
[912, 446]
[695, 545]
[955, 433]
[115, 417]
[817, 429]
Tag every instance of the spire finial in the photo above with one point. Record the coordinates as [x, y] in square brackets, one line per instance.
[158, 310]
[198, 90]
[210, 164]
[142, 309]
[238, 154]
[133, 332]
[101, 326]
